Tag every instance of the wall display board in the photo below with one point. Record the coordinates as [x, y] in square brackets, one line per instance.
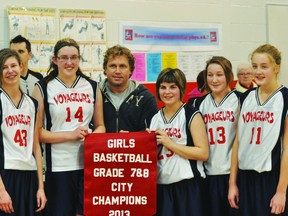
[88, 28]
[187, 47]
[39, 26]
[149, 64]
[44, 26]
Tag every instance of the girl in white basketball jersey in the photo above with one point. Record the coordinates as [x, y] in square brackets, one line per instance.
[220, 112]
[260, 150]
[21, 180]
[68, 101]
[182, 148]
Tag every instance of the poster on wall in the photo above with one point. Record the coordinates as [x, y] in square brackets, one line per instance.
[38, 25]
[41, 56]
[175, 45]
[148, 65]
[88, 28]
[170, 37]
[139, 72]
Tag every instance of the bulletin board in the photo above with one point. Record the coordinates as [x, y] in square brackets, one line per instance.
[43, 27]
[277, 31]
[159, 45]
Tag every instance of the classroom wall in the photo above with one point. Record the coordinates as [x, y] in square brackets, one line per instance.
[277, 31]
[244, 22]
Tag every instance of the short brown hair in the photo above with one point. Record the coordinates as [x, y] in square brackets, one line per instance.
[170, 75]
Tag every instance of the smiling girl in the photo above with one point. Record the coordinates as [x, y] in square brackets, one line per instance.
[182, 148]
[260, 150]
[21, 179]
[68, 101]
[220, 112]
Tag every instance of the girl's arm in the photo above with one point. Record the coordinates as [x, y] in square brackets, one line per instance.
[233, 194]
[41, 198]
[198, 131]
[278, 201]
[98, 118]
[5, 199]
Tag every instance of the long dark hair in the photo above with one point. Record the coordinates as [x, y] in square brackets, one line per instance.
[53, 68]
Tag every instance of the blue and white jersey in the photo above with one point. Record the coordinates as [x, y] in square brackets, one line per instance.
[28, 82]
[17, 132]
[65, 110]
[260, 130]
[221, 125]
[171, 166]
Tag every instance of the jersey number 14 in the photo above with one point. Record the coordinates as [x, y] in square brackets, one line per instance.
[78, 114]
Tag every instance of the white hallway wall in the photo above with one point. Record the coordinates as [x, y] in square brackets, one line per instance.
[243, 21]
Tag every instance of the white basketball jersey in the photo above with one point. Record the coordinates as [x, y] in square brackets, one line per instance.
[69, 108]
[171, 166]
[261, 130]
[17, 133]
[221, 124]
